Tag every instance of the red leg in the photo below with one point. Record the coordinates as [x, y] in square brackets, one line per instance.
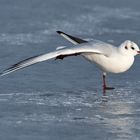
[105, 87]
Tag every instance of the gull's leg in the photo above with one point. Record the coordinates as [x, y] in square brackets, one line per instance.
[105, 87]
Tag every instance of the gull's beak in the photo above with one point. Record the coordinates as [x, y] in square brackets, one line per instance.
[138, 52]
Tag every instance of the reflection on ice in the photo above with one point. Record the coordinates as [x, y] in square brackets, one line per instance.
[119, 121]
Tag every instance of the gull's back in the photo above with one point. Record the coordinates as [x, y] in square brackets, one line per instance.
[105, 48]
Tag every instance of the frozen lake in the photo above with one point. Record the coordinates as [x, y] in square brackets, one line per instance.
[62, 100]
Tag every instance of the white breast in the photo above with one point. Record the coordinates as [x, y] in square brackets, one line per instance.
[112, 64]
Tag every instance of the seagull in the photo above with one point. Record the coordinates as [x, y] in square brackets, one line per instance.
[107, 57]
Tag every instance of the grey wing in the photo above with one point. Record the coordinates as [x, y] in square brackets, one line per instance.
[60, 54]
[106, 48]
[96, 44]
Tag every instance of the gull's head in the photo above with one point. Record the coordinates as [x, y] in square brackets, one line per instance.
[129, 48]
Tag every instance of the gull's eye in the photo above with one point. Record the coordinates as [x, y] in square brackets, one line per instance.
[132, 48]
[126, 47]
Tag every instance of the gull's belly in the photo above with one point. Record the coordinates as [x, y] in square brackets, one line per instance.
[113, 64]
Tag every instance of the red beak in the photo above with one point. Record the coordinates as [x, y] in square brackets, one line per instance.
[138, 52]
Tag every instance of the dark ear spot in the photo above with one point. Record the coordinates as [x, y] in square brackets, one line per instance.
[126, 47]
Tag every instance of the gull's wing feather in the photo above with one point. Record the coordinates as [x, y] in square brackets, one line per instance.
[59, 54]
[72, 39]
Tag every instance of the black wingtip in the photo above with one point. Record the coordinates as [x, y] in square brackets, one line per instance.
[59, 32]
[72, 38]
